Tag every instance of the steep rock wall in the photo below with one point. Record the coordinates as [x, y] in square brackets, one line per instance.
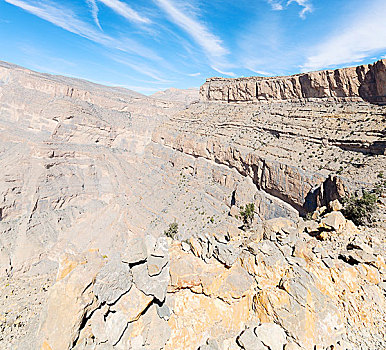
[367, 82]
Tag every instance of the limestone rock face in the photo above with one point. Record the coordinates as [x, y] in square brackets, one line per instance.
[280, 292]
[366, 82]
[69, 302]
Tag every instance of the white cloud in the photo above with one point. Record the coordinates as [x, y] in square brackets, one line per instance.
[306, 4]
[210, 43]
[276, 4]
[65, 18]
[142, 68]
[231, 74]
[194, 74]
[279, 5]
[94, 11]
[126, 11]
[260, 72]
[363, 35]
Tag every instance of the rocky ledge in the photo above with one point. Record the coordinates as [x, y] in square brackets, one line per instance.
[367, 82]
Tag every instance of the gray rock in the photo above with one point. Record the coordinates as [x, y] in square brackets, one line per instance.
[113, 280]
[156, 331]
[135, 251]
[210, 344]
[116, 324]
[248, 340]
[163, 311]
[161, 248]
[226, 253]
[335, 220]
[271, 335]
[155, 264]
[98, 325]
[151, 285]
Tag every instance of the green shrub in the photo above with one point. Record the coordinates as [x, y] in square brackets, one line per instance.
[247, 214]
[360, 209]
[172, 231]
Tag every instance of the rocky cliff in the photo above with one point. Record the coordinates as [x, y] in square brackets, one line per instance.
[367, 82]
[93, 176]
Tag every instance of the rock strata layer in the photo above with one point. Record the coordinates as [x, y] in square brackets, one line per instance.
[367, 82]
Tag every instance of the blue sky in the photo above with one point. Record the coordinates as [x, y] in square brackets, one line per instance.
[151, 45]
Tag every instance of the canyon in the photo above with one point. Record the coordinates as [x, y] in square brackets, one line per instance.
[93, 177]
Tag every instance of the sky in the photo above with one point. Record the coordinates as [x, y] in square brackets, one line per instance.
[152, 45]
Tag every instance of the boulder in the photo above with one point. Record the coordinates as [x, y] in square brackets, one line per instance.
[135, 251]
[271, 335]
[249, 341]
[132, 304]
[151, 285]
[112, 281]
[334, 220]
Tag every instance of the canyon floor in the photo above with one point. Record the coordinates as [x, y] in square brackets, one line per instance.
[94, 177]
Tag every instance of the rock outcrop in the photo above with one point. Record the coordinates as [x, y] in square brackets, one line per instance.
[365, 82]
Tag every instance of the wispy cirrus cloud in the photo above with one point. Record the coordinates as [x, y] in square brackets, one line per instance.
[352, 43]
[62, 17]
[231, 74]
[142, 68]
[260, 72]
[279, 5]
[66, 19]
[126, 11]
[94, 11]
[197, 30]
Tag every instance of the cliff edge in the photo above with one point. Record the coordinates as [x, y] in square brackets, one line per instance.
[367, 82]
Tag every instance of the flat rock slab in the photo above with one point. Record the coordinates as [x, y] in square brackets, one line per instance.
[151, 285]
[271, 335]
[116, 324]
[135, 251]
[112, 281]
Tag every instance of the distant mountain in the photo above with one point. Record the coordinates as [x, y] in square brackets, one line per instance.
[75, 83]
[178, 95]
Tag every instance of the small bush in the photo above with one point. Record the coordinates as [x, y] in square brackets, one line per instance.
[247, 214]
[172, 231]
[360, 209]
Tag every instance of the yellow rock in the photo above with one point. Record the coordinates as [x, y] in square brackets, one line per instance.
[46, 346]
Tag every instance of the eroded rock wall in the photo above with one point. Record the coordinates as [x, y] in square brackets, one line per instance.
[365, 82]
[304, 154]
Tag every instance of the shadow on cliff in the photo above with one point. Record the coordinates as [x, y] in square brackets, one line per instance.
[373, 85]
[332, 188]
